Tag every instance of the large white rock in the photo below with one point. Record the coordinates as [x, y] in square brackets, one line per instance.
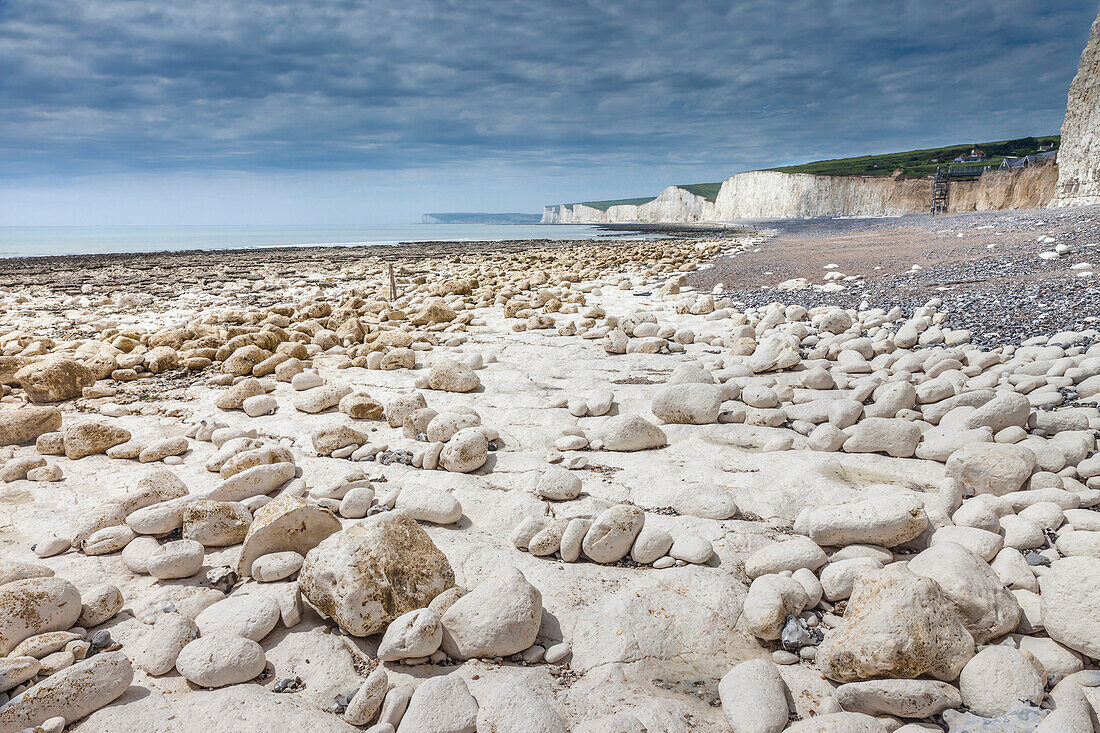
[754, 698]
[614, 723]
[630, 433]
[276, 566]
[255, 481]
[236, 708]
[160, 518]
[252, 616]
[441, 705]
[838, 579]
[99, 605]
[402, 405]
[156, 486]
[990, 468]
[221, 659]
[1013, 571]
[368, 698]
[16, 669]
[216, 523]
[903, 698]
[499, 617]
[284, 524]
[177, 559]
[612, 535]
[136, 554]
[1080, 542]
[414, 634]
[690, 404]
[650, 545]
[1055, 658]
[35, 606]
[897, 624]
[13, 570]
[558, 484]
[264, 456]
[25, 424]
[72, 693]
[886, 520]
[444, 425]
[320, 399]
[452, 376]
[996, 678]
[891, 398]
[90, 438]
[986, 607]
[894, 436]
[1070, 592]
[466, 451]
[1006, 409]
[770, 600]
[1073, 711]
[705, 500]
[101, 516]
[367, 575]
[230, 448]
[429, 504]
[792, 554]
[981, 542]
[159, 646]
[774, 352]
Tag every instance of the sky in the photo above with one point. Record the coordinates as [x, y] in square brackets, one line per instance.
[359, 112]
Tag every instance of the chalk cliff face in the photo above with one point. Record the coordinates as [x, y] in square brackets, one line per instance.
[777, 195]
[772, 194]
[762, 194]
[1079, 154]
[672, 205]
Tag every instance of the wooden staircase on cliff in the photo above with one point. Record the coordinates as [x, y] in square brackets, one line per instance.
[941, 184]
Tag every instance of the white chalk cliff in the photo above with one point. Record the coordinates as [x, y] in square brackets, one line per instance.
[774, 194]
[765, 194]
[1079, 155]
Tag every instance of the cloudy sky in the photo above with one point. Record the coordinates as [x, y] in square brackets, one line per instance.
[363, 111]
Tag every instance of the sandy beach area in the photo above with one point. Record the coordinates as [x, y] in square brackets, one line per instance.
[828, 473]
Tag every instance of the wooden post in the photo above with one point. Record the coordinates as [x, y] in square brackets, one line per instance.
[393, 284]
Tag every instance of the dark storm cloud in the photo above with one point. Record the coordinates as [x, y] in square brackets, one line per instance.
[123, 85]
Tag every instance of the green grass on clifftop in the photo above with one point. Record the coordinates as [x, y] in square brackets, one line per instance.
[919, 163]
[709, 191]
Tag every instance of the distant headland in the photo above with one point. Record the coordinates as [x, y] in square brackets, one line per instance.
[467, 218]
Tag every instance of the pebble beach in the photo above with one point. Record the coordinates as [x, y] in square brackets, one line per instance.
[820, 476]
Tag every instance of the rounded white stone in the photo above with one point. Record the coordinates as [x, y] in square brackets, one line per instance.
[178, 559]
[221, 659]
[252, 616]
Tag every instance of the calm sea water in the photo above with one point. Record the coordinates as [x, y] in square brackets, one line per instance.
[39, 241]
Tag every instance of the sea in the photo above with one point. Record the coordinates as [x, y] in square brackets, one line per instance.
[47, 241]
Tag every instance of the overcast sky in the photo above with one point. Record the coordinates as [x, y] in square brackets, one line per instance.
[362, 112]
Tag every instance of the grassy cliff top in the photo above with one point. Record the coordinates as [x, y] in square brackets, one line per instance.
[709, 191]
[920, 163]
